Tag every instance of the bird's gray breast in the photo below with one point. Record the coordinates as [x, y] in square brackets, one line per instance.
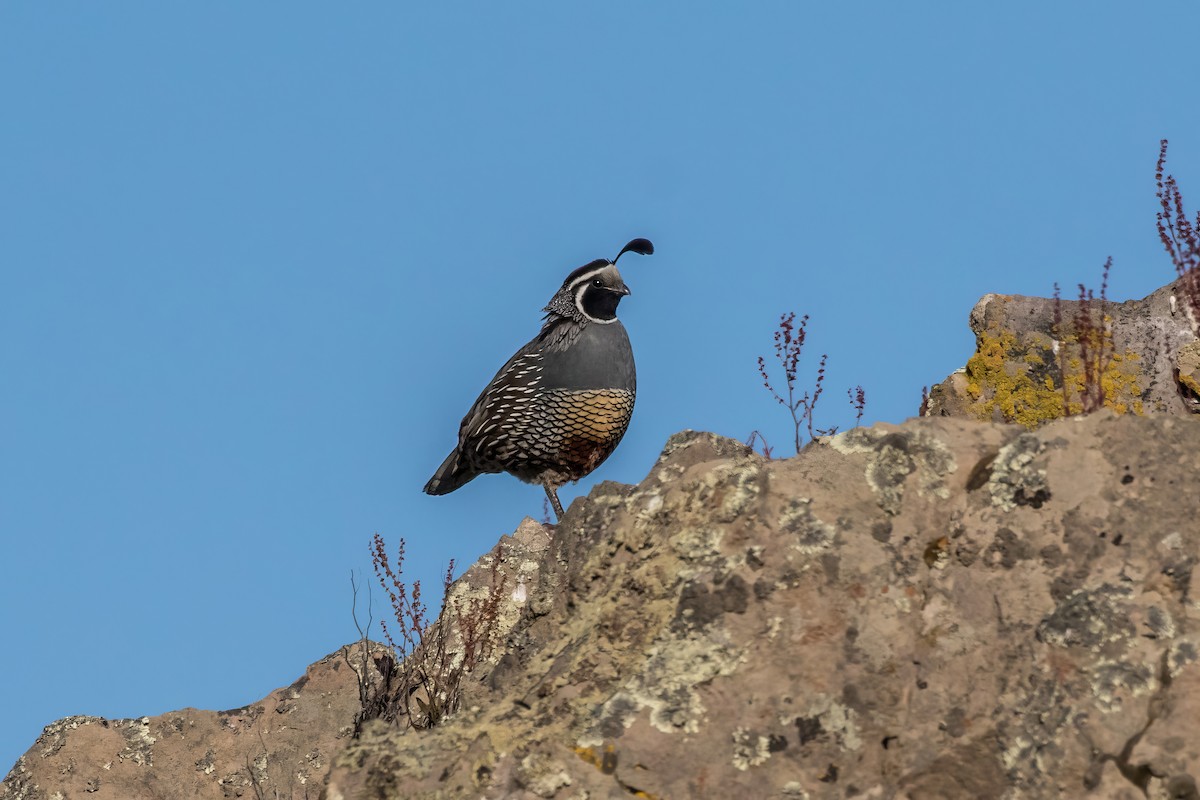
[599, 357]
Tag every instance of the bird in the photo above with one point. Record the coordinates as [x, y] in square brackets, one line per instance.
[560, 406]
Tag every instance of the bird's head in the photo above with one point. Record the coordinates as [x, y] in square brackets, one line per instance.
[593, 291]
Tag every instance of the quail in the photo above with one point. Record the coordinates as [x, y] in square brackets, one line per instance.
[561, 404]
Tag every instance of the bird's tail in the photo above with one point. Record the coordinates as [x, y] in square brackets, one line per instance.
[452, 474]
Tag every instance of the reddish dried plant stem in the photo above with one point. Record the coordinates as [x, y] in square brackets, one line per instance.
[789, 338]
[1179, 235]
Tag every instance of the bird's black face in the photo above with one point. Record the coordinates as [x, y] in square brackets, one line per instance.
[598, 291]
[592, 292]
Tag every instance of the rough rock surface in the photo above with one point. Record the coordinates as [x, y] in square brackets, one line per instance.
[1022, 354]
[279, 747]
[939, 609]
[283, 743]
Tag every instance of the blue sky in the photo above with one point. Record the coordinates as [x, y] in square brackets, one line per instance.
[255, 264]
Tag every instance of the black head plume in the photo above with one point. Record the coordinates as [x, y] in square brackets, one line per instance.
[643, 247]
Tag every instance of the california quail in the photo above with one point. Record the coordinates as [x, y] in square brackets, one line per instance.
[561, 404]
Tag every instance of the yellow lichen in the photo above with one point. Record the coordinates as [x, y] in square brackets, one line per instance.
[1118, 376]
[1014, 381]
[606, 761]
[1187, 370]
[999, 379]
[1120, 384]
[1190, 382]
[599, 760]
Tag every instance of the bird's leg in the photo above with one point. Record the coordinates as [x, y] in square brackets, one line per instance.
[552, 493]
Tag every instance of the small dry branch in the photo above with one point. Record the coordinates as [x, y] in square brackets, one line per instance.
[419, 680]
[1089, 331]
[790, 336]
[1179, 235]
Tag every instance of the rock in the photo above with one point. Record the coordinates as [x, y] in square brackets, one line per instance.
[283, 743]
[1022, 355]
[1187, 375]
[279, 747]
[939, 609]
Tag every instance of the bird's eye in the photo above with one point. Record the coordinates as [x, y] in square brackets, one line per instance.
[597, 282]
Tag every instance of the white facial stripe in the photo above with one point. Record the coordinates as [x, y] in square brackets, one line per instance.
[579, 305]
[587, 278]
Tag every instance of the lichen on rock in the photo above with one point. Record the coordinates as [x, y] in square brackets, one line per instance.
[1015, 480]
[865, 619]
[1037, 358]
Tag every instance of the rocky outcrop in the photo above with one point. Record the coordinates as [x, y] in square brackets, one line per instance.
[1145, 358]
[283, 743]
[939, 609]
[279, 747]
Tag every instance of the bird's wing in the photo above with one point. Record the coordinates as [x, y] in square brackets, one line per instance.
[513, 384]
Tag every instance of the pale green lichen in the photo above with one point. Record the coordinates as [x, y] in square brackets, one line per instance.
[895, 455]
[1014, 481]
[749, 750]
[809, 534]
[1183, 654]
[542, 775]
[138, 742]
[1115, 681]
[838, 719]
[666, 686]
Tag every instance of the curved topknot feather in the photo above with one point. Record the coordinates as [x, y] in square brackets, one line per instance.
[643, 247]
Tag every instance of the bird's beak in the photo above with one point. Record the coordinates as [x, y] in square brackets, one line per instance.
[621, 288]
